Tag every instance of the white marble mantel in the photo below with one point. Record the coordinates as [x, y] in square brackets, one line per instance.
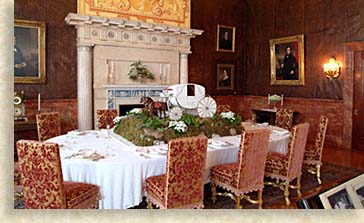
[106, 48]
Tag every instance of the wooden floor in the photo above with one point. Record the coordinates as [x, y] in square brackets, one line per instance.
[344, 157]
[351, 158]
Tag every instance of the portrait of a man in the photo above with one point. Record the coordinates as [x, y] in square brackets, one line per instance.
[29, 52]
[287, 60]
[287, 68]
[225, 76]
[225, 38]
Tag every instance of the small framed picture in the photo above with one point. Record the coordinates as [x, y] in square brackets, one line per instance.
[337, 198]
[356, 190]
[287, 60]
[225, 75]
[29, 52]
[225, 38]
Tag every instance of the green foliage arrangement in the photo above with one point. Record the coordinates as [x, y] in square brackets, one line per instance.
[133, 127]
[139, 72]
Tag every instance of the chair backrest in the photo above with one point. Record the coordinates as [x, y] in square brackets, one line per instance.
[284, 118]
[41, 171]
[48, 125]
[252, 156]
[223, 108]
[185, 171]
[296, 149]
[105, 118]
[321, 134]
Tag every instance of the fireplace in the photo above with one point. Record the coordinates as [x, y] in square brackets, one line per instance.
[106, 49]
[123, 109]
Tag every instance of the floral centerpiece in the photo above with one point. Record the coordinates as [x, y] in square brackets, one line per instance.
[142, 130]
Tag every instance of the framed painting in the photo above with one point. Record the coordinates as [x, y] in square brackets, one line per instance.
[29, 52]
[225, 38]
[225, 75]
[356, 190]
[287, 60]
[337, 198]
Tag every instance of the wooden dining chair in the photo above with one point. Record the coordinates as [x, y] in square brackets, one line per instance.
[287, 167]
[284, 118]
[183, 184]
[42, 180]
[48, 125]
[313, 153]
[246, 175]
[105, 118]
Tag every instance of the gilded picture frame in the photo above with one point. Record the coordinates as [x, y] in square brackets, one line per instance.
[225, 39]
[287, 60]
[29, 52]
[225, 76]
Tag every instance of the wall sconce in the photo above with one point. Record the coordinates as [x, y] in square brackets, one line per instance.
[332, 69]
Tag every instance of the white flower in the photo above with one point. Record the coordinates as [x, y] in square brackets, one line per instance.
[117, 119]
[178, 126]
[228, 115]
[136, 111]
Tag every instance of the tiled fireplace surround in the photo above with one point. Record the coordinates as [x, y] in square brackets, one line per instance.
[123, 91]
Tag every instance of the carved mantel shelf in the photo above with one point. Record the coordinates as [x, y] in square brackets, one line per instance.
[93, 30]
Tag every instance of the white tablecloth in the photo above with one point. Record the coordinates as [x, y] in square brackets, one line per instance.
[123, 171]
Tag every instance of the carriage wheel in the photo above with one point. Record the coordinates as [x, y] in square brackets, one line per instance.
[175, 113]
[206, 107]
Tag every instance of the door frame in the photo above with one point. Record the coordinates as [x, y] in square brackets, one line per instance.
[348, 91]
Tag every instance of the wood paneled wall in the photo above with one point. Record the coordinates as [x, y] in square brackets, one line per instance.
[326, 25]
[61, 51]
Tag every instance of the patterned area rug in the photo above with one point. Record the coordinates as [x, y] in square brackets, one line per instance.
[331, 175]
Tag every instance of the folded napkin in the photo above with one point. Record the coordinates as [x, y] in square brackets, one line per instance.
[264, 124]
[76, 133]
[219, 143]
[280, 132]
[152, 150]
[86, 154]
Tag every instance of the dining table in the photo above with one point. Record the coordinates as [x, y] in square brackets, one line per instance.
[120, 168]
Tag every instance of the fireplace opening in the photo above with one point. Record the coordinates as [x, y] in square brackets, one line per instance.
[123, 109]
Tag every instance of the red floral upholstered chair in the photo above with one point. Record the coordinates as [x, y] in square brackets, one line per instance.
[223, 108]
[48, 125]
[247, 174]
[284, 118]
[183, 184]
[42, 179]
[105, 118]
[313, 153]
[286, 168]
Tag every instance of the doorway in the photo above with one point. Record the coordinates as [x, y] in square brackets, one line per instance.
[358, 102]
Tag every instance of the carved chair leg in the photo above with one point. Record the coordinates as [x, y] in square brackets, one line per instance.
[150, 206]
[213, 193]
[298, 186]
[318, 173]
[238, 198]
[286, 193]
[260, 198]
